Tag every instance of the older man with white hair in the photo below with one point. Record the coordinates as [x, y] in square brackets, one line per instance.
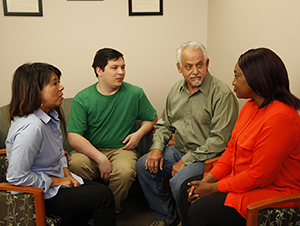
[201, 111]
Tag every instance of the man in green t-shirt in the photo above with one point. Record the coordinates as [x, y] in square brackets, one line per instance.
[102, 125]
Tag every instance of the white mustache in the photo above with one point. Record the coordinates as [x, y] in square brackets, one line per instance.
[194, 76]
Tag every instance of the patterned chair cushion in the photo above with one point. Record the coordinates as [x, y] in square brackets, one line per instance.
[279, 217]
[53, 220]
[3, 168]
[18, 209]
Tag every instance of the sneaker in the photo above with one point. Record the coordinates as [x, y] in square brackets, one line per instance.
[174, 220]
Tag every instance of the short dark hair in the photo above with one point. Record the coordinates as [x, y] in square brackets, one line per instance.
[267, 76]
[28, 81]
[103, 56]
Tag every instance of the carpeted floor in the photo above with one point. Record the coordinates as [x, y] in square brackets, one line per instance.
[135, 209]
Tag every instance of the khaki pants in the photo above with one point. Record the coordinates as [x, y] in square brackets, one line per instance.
[123, 170]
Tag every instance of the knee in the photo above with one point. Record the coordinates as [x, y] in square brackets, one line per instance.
[105, 197]
[108, 193]
[183, 188]
[183, 196]
[127, 173]
[77, 159]
[175, 186]
[76, 164]
[83, 166]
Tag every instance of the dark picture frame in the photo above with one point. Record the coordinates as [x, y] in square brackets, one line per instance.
[22, 7]
[145, 7]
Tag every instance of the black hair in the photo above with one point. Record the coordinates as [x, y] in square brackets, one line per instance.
[267, 76]
[103, 56]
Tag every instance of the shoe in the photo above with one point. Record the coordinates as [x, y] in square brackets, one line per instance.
[90, 222]
[180, 224]
[173, 221]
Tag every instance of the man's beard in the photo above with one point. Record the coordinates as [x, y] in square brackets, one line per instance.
[196, 82]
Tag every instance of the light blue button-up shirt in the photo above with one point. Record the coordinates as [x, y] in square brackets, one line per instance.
[35, 153]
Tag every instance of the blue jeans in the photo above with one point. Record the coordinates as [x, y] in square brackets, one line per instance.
[152, 185]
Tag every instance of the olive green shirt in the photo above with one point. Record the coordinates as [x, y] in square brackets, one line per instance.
[202, 122]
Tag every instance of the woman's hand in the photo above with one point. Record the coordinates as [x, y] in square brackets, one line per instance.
[68, 174]
[68, 180]
[200, 189]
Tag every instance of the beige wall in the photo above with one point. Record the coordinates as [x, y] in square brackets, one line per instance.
[235, 26]
[70, 32]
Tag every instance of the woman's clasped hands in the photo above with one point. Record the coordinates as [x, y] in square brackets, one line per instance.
[201, 188]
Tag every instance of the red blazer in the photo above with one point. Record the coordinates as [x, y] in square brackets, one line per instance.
[262, 159]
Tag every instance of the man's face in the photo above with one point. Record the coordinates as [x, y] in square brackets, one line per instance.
[194, 67]
[113, 75]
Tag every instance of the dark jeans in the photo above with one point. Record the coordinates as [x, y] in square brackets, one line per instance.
[91, 200]
[208, 210]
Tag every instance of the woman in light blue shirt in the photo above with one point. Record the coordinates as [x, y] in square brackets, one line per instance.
[35, 153]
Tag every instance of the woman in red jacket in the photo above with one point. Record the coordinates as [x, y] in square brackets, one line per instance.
[262, 159]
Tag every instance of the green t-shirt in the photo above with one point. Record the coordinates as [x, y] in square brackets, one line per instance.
[107, 120]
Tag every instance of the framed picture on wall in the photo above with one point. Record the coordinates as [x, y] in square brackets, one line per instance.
[22, 7]
[145, 7]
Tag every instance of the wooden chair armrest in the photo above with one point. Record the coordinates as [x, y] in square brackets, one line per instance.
[39, 201]
[254, 208]
[67, 156]
[26, 189]
[208, 164]
[2, 151]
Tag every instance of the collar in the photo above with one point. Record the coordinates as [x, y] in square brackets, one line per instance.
[46, 118]
[203, 88]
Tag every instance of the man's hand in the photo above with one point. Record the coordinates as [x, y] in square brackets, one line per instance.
[177, 167]
[132, 141]
[105, 168]
[154, 161]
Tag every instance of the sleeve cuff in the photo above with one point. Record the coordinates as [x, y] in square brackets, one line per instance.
[157, 145]
[188, 158]
[64, 162]
[222, 186]
[46, 182]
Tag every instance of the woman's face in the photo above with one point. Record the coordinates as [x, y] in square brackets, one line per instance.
[52, 94]
[240, 85]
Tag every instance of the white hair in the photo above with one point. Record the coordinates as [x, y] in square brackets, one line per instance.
[191, 44]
